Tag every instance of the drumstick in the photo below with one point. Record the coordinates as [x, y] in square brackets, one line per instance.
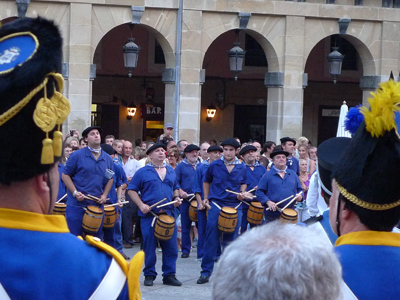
[95, 198]
[157, 203]
[291, 201]
[172, 202]
[61, 198]
[281, 201]
[115, 204]
[86, 197]
[245, 202]
[191, 197]
[253, 189]
[236, 193]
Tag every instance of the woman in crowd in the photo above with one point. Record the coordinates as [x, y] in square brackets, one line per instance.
[304, 176]
[303, 154]
[173, 157]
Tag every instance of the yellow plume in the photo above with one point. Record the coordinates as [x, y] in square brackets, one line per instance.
[135, 268]
[383, 105]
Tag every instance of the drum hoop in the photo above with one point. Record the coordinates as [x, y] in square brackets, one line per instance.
[94, 216]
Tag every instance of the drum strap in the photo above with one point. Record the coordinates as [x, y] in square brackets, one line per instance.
[111, 285]
[219, 207]
[3, 293]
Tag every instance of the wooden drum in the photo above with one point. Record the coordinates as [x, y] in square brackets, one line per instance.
[110, 216]
[255, 213]
[227, 219]
[59, 209]
[193, 211]
[92, 219]
[164, 227]
[288, 215]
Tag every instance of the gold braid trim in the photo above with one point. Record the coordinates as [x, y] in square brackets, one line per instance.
[21, 104]
[352, 198]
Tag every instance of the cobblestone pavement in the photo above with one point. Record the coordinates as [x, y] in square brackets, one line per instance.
[187, 271]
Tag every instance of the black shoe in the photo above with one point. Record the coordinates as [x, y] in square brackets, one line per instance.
[185, 255]
[171, 280]
[125, 256]
[148, 280]
[203, 279]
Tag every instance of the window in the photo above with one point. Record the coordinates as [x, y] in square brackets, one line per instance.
[255, 56]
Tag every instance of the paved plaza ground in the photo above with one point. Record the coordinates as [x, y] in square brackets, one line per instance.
[187, 271]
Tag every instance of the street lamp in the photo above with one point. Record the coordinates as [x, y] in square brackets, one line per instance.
[236, 56]
[335, 60]
[211, 110]
[131, 54]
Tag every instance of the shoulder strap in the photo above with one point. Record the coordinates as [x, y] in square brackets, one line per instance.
[3, 293]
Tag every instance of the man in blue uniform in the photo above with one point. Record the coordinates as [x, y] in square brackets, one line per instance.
[254, 173]
[39, 257]
[154, 182]
[227, 173]
[185, 173]
[291, 161]
[88, 172]
[365, 203]
[278, 184]
[214, 153]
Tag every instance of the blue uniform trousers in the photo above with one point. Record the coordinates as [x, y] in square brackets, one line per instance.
[113, 236]
[74, 216]
[201, 227]
[169, 250]
[243, 228]
[186, 225]
[213, 239]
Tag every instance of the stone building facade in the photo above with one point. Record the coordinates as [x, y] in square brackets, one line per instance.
[292, 94]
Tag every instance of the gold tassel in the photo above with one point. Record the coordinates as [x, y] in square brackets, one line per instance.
[47, 152]
[57, 142]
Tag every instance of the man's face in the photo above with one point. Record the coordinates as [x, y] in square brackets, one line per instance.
[258, 146]
[214, 155]
[93, 138]
[333, 203]
[192, 156]
[279, 161]
[157, 156]
[229, 153]
[288, 147]
[313, 153]
[67, 151]
[270, 150]
[109, 141]
[250, 157]
[183, 145]
[168, 131]
[83, 144]
[203, 151]
[127, 149]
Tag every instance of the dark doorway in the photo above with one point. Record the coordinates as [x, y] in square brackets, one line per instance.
[250, 122]
[328, 119]
[108, 119]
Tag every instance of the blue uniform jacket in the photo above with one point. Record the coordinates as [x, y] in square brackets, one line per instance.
[87, 174]
[61, 187]
[371, 263]
[253, 177]
[40, 259]
[293, 164]
[185, 175]
[220, 180]
[199, 178]
[117, 177]
[273, 187]
[152, 189]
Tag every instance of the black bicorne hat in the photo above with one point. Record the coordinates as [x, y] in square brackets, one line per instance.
[32, 107]
[367, 172]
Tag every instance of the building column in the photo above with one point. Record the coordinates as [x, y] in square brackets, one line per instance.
[190, 89]
[285, 89]
[77, 54]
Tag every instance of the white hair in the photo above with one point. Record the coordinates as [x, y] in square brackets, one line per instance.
[278, 261]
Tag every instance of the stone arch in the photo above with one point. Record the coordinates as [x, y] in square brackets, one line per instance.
[366, 45]
[152, 19]
[267, 32]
